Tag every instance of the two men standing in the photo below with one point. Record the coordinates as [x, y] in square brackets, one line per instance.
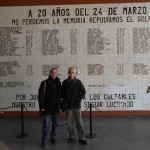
[72, 93]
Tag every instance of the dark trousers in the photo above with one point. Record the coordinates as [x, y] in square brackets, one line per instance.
[46, 124]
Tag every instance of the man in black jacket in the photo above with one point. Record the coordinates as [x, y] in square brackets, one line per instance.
[73, 92]
[49, 103]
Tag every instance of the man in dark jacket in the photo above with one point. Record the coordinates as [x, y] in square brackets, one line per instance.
[49, 99]
[73, 92]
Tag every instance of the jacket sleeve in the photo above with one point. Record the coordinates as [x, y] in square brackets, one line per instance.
[41, 95]
[82, 91]
[63, 90]
[63, 104]
[59, 92]
[60, 87]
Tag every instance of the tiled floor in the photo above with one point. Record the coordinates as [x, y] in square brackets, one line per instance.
[112, 134]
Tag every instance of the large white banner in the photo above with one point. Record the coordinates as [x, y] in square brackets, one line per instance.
[109, 44]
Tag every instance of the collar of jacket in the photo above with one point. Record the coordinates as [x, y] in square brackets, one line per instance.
[53, 80]
[72, 81]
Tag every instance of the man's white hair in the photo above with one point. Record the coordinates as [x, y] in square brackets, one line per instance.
[72, 68]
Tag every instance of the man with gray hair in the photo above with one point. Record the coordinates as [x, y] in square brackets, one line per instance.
[73, 92]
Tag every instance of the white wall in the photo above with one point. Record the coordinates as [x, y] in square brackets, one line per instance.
[109, 44]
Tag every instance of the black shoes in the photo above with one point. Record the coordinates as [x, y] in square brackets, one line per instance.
[43, 145]
[70, 140]
[82, 141]
[53, 141]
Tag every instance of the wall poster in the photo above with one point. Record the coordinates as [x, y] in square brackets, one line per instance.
[108, 44]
